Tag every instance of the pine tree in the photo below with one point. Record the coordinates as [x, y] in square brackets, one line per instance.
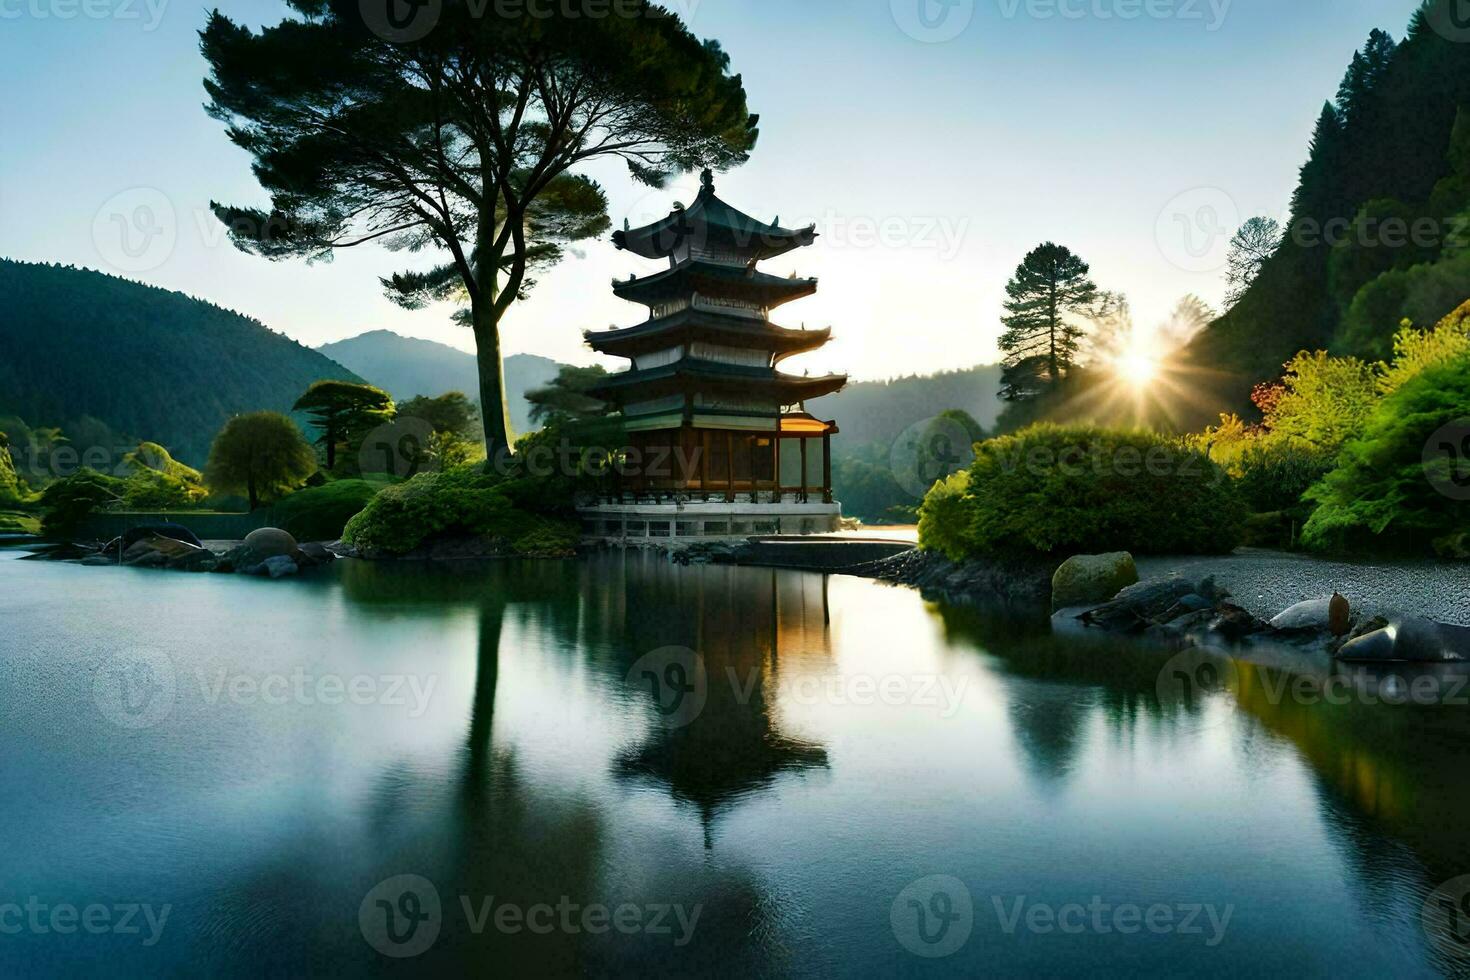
[1050, 290]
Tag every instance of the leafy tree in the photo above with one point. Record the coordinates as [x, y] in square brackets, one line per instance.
[451, 413]
[341, 409]
[1255, 242]
[1322, 400]
[1383, 495]
[1050, 290]
[463, 137]
[565, 399]
[259, 455]
[1416, 350]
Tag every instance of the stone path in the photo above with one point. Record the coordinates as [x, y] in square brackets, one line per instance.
[1266, 582]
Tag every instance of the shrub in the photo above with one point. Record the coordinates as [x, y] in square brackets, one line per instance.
[1273, 474]
[160, 481]
[1381, 495]
[320, 513]
[68, 501]
[945, 517]
[260, 455]
[464, 500]
[1063, 490]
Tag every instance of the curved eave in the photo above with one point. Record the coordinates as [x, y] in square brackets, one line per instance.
[710, 279]
[710, 221]
[686, 325]
[691, 374]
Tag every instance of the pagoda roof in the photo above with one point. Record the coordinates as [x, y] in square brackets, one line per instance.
[689, 373]
[713, 279]
[732, 329]
[711, 223]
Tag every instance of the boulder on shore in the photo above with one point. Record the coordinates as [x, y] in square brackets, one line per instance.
[1084, 579]
[1411, 640]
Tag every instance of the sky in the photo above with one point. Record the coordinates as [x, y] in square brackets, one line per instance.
[933, 143]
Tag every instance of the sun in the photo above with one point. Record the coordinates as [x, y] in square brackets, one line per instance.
[1137, 368]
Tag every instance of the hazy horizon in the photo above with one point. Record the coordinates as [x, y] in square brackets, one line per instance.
[930, 163]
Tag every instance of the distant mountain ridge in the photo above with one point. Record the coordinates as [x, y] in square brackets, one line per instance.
[149, 363]
[410, 366]
[879, 411]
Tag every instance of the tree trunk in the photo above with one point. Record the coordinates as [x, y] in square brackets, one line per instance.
[494, 411]
[250, 489]
[331, 435]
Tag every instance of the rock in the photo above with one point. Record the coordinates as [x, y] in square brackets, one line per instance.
[1412, 639]
[148, 559]
[314, 553]
[1192, 603]
[1234, 623]
[1092, 578]
[1139, 606]
[94, 560]
[1339, 615]
[268, 542]
[1313, 614]
[277, 566]
[175, 532]
[1374, 647]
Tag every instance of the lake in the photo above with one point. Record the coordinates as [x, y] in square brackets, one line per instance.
[526, 766]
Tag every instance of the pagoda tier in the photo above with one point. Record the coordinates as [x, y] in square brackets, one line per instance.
[706, 329]
[700, 393]
[716, 284]
[711, 228]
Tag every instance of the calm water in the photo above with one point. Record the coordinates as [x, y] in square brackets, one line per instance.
[262, 761]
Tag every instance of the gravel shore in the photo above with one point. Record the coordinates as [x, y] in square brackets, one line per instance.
[1266, 582]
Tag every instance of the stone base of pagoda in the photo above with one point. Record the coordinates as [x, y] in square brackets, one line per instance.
[709, 519]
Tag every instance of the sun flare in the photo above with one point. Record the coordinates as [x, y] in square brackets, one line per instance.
[1137, 368]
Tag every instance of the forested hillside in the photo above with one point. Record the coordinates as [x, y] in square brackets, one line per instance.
[878, 411]
[1380, 223]
[79, 345]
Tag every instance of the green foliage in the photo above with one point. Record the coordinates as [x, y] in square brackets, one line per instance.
[111, 361]
[1381, 495]
[261, 455]
[343, 412]
[1274, 473]
[158, 481]
[10, 486]
[451, 413]
[1323, 400]
[320, 513]
[565, 399]
[459, 501]
[66, 502]
[1422, 295]
[945, 518]
[1064, 490]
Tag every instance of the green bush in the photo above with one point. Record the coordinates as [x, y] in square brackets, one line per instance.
[320, 513]
[68, 501]
[1272, 476]
[464, 500]
[1057, 490]
[945, 518]
[1382, 496]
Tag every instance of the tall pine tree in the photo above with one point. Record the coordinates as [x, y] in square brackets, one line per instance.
[1049, 292]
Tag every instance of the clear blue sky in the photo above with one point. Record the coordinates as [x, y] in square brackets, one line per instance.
[930, 165]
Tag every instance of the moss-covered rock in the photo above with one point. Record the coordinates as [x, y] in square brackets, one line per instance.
[1084, 579]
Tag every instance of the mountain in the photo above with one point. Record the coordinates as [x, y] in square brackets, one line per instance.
[878, 411]
[407, 366]
[91, 352]
[1377, 232]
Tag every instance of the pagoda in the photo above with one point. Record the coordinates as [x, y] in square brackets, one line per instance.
[720, 442]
